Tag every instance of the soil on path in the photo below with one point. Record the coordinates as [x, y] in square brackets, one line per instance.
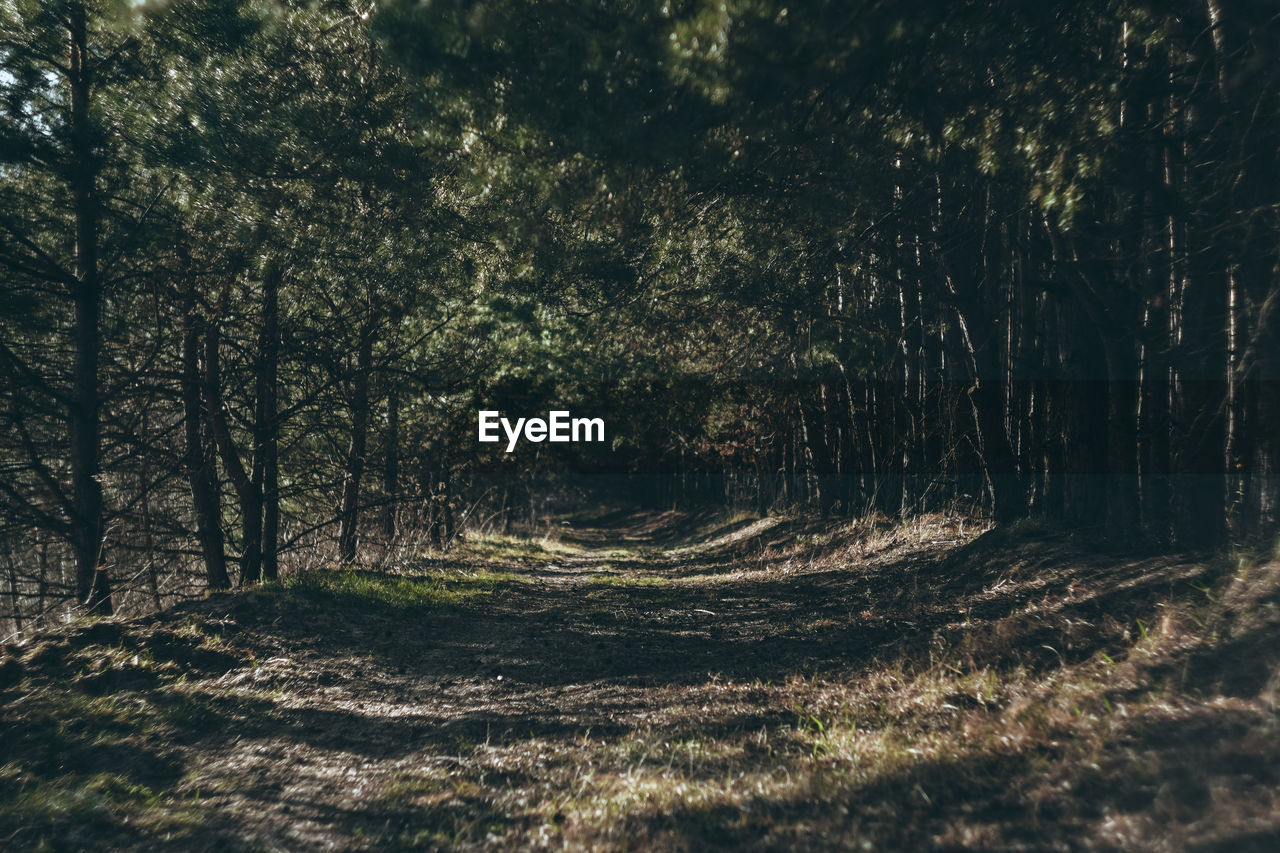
[661, 681]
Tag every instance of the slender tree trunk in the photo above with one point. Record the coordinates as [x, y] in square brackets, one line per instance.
[1203, 413]
[1083, 414]
[987, 396]
[348, 535]
[1025, 394]
[391, 461]
[247, 489]
[1262, 383]
[148, 545]
[148, 537]
[266, 428]
[1155, 418]
[42, 588]
[1246, 53]
[92, 586]
[1157, 346]
[15, 597]
[1203, 359]
[200, 464]
[1122, 439]
[971, 271]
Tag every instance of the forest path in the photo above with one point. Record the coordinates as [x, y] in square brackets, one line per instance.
[424, 724]
[656, 680]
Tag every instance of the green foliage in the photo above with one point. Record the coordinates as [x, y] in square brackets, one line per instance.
[349, 588]
[781, 240]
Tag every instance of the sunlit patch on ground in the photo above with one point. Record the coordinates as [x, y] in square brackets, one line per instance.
[672, 684]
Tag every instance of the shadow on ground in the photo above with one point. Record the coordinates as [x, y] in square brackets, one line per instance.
[674, 681]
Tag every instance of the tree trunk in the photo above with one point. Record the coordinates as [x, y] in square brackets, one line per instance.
[987, 396]
[92, 586]
[200, 464]
[266, 429]
[391, 461]
[348, 535]
[249, 492]
[1155, 418]
[1083, 412]
[1203, 413]
[1122, 440]
[1203, 355]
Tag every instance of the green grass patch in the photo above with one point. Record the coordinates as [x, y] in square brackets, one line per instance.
[627, 581]
[1031, 527]
[90, 810]
[99, 772]
[409, 592]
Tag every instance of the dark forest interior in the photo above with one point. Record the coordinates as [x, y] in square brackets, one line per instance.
[937, 348]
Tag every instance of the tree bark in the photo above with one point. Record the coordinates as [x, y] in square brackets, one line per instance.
[1203, 414]
[200, 464]
[266, 429]
[987, 396]
[249, 492]
[92, 585]
[391, 461]
[348, 535]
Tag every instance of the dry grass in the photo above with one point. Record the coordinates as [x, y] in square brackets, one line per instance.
[667, 683]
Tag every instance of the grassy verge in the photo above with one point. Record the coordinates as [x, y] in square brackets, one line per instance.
[356, 588]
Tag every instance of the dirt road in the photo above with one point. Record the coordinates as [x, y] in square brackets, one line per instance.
[641, 681]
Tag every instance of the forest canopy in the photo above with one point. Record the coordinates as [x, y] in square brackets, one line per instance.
[262, 263]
